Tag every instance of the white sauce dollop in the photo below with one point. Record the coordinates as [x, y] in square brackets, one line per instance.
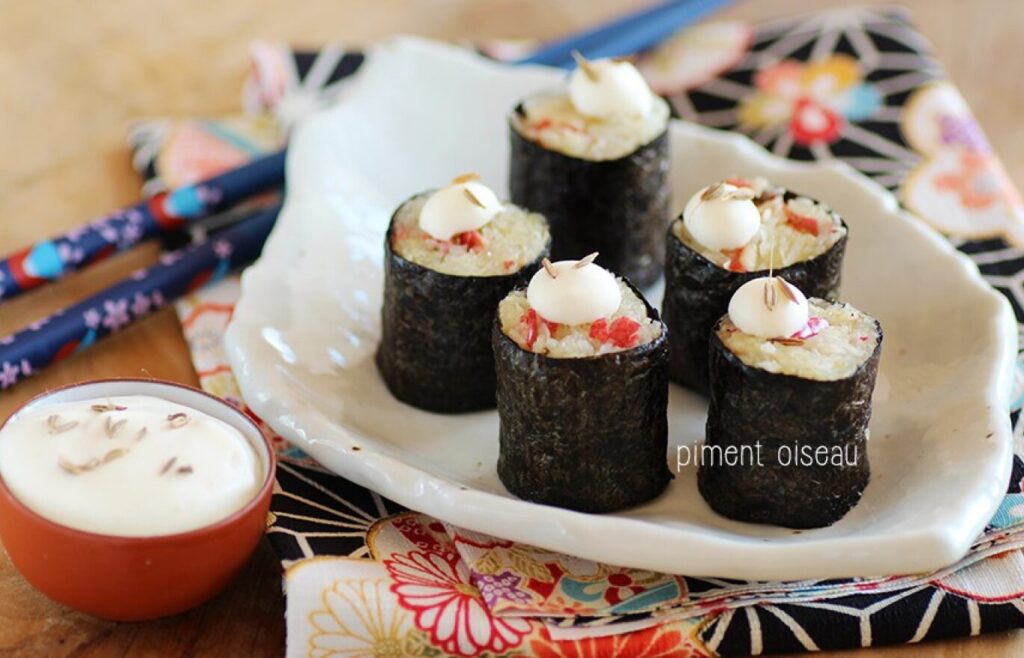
[136, 483]
[762, 308]
[611, 88]
[464, 205]
[575, 295]
[721, 223]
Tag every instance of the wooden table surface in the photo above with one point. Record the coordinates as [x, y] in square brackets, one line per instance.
[74, 74]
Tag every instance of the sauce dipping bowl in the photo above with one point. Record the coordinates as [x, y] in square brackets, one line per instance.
[137, 578]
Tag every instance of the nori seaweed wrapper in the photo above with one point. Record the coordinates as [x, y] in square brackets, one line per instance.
[588, 434]
[435, 349]
[697, 294]
[749, 404]
[618, 208]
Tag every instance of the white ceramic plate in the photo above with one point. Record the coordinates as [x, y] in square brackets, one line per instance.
[419, 113]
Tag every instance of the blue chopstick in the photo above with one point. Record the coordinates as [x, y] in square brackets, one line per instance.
[78, 327]
[56, 257]
[625, 36]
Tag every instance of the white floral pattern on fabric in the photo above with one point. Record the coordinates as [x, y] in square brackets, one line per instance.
[357, 620]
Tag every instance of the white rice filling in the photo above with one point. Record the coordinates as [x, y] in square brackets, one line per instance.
[562, 341]
[834, 353]
[791, 232]
[510, 241]
[552, 121]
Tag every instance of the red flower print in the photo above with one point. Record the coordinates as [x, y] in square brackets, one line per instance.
[621, 587]
[813, 100]
[436, 588]
[812, 122]
[656, 642]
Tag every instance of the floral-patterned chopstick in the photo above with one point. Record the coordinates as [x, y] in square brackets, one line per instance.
[624, 36]
[58, 256]
[179, 272]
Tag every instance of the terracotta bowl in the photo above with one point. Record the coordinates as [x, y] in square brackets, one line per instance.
[137, 578]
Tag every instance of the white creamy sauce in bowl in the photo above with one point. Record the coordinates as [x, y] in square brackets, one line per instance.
[131, 466]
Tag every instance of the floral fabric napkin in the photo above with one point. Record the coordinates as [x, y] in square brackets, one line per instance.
[364, 577]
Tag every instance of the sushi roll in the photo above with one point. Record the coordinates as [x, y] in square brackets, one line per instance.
[593, 158]
[728, 234]
[582, 365]
[791, 384]
[449, 257]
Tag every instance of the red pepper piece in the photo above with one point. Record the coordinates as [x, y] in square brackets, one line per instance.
[813, 327]
[530, 320]
[735, 265]
[552, 327]
[508, 264]
[739, 182]
[624, 332]
[599, 330]
[802, 223]
[548, 124]
[471, 240]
